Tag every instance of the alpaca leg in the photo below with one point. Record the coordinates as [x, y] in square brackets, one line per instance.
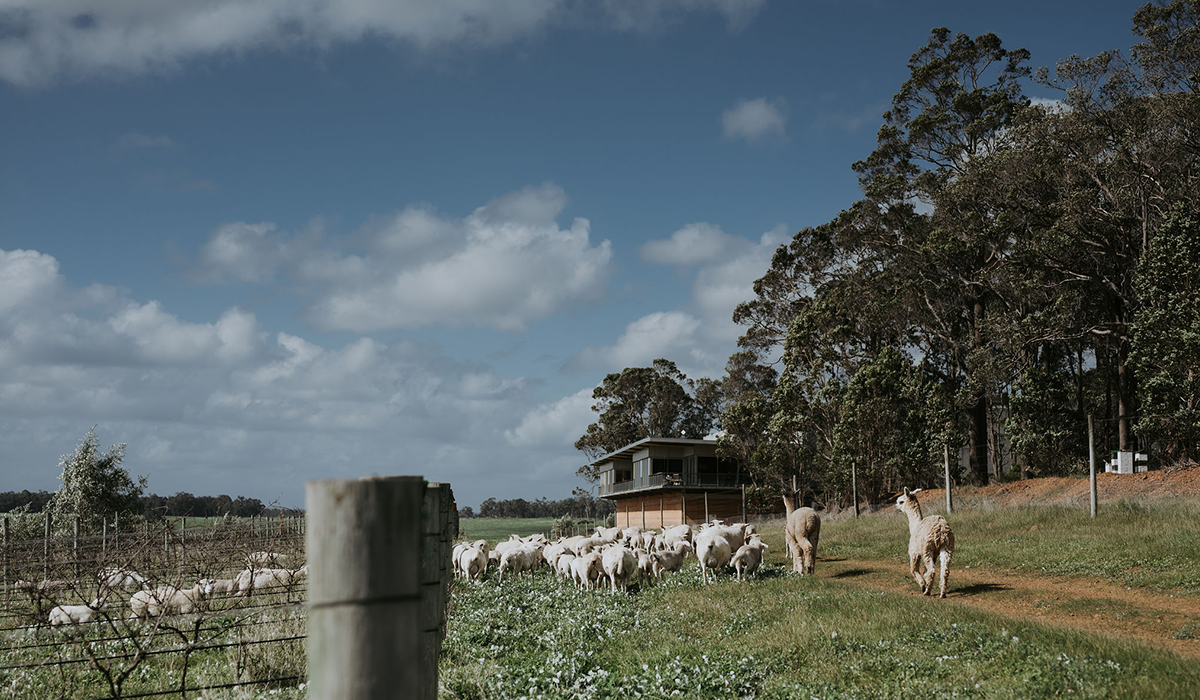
[913, 564]
[794, 551]
[930, 571]
[945, 557]
[810, 557]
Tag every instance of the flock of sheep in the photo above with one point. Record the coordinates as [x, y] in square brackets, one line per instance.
[263, 570]
[612, 556]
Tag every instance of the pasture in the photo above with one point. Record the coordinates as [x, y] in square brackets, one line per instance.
[1052, 605]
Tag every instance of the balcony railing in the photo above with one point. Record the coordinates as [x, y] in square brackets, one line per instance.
[655, 481]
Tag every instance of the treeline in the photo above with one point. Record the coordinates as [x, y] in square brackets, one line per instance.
[578, 506]
[153, 506]
[1013, 266]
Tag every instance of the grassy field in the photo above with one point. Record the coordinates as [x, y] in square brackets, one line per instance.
[495, 529]
[1150, 544]
[830, 636]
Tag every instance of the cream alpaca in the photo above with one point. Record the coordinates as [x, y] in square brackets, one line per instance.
[928, 539]
[803, 532]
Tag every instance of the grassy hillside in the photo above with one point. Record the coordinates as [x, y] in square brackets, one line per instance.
[496, 529]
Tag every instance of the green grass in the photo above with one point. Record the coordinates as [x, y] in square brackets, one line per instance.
[496, 529]
[1150, 544]
[783, 636]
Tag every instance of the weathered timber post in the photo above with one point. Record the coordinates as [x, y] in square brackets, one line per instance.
[75, 548]
[183, 541]
[5, 563]
[365, 572]
[706, 506]
[643, 513]
[662, 522]
[104, 537]
[46, 549]
[683, 505]
[854, 487]
[745, 517]
[435, 581]
[117, 532]
[1091, 467]
[946, 460]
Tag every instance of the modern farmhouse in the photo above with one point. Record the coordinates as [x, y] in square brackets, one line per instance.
[660, 482]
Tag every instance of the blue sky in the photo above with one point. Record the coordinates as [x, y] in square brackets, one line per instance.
[264, 241]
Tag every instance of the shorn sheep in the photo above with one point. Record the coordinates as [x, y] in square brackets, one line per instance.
[75, 614]
[713, 551]
[928, 539]
[749, 556]
[166, 600]
[802, 531]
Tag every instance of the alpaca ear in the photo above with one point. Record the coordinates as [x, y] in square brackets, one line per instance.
[905, 490]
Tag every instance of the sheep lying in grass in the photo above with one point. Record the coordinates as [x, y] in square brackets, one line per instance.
[928, 539]
[713, 551]
[671, 560]
[749, 556]
[803, 530]
[218, 586]
[263, 560]
[76, 614]
[257, 579]
[166, 600]
[112, 577]
[619, 563]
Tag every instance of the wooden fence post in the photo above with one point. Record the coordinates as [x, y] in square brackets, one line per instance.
[104, 537]
[364, 624]
[6, 563]
[46, 549]
[706, 506]
[946, 460]
[745, 515]
[76, 547]
[854, 487]
[435, 581]
[1091, 467]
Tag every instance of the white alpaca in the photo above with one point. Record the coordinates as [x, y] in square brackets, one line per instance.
[803, 531]
[928, 539]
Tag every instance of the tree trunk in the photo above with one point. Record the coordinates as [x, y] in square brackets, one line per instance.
[977, 438]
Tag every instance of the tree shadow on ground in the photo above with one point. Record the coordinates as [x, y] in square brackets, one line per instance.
[977, 588]
[851, 573]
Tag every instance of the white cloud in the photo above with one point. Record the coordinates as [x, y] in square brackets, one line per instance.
[660, 334]
[45, 39]
[754, 120]
[693, 244]
[554, 424]
[136, 140]
[222, 407]
[504, 266]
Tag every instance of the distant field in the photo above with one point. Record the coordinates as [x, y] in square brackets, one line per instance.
[496, 529]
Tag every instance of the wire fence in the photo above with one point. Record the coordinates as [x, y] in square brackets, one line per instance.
[152, 610]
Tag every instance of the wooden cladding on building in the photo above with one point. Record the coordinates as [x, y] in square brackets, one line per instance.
[667, 509]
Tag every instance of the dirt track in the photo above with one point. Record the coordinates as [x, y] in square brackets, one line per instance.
[1096, 606]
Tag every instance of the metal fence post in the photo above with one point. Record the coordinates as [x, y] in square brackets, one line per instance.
[854, 487]
[46, 549]
[364, 553]
[946, 460]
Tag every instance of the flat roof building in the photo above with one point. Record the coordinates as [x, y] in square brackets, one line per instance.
[661, 482]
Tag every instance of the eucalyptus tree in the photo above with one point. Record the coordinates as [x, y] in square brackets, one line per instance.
[94, 484]
[917, 233]
[641, 402]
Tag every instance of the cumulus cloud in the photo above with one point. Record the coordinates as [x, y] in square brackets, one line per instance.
[222, 406]
[559, 423]
[42, 40]
[503, 266]
[700, 336]
[754, 120]
[691, 245]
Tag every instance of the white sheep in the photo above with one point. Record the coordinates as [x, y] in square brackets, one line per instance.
[552, 552]
[587, 569]
[218, 586]
[749, 557]
[76, 614]
[516, 560]
[255, 579]
[645, 564]
[735, 534]
[166, 600]
[713, 551]
[673, 535]
[263, 560]
[455, 554]
[610, 534]
[472, 562]
[671, 560]
[563, 565]
[112, 577]
[928, 539]
[619, 563]
[803, 531]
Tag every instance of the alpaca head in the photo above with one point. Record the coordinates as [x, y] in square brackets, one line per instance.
[908, 501]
